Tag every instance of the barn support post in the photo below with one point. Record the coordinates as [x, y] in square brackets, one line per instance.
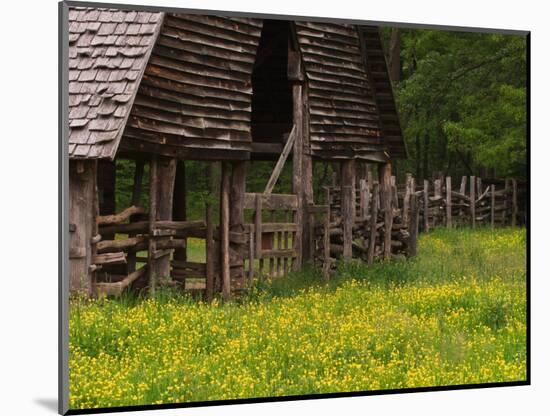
[384, 173]
[153, 184]
[136, 198]
[236, 218]
[297, 171]
[308, 237]
[82, 187]
[179, 211]
[166, 175]
[224, 231]
[364, 199]
[347, 195]
[214, 171]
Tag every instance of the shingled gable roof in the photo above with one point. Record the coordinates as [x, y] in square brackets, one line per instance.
[108, 52]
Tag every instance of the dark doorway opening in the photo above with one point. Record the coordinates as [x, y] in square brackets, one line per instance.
[272, 108]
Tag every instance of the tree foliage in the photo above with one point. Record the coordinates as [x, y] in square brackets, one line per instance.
[462, 102]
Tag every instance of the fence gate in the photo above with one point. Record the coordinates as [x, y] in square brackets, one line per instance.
[272, 249]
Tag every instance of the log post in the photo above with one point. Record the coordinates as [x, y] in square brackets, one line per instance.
[153, 184]
[180, 205]
[492, 206]
[210, 254]
[426, 195]
[297, 170]
[364, 199]
[166, 174]
[473, 200]
[394, 195]
[437, 196]
[448, 202]
[384, 174]
[82, 186]
[236, 217]
[224, 231]
[136, 199]
[347, 195]
[406, 198]
[214, 171]
[463, 183]
[514, 202]
[479, 187]
[308, 199]
[372, 225]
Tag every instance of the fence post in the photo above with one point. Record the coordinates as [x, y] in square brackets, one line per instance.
[505, 210]
[386, 205]
[449, 202]
[407, 198]
[347, 220]
[373, 221]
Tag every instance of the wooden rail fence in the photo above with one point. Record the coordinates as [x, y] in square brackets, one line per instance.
[381, 221]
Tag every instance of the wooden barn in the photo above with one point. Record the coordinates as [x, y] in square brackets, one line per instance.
[162, 89]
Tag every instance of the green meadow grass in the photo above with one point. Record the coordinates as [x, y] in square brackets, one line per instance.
[455, 314]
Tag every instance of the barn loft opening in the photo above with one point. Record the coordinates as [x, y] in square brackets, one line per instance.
[272, 90]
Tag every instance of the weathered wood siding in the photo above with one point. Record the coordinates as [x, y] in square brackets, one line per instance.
[377, 69]
[344, 121]
[194, 100]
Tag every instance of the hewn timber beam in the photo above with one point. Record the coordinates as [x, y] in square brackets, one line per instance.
[281, 162]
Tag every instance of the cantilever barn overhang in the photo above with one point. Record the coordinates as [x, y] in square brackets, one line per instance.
[163, 88]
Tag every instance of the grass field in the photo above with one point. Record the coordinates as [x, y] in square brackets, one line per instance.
[455, 314]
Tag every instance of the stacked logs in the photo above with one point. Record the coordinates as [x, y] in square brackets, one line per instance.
[368, 237]
[413, 207]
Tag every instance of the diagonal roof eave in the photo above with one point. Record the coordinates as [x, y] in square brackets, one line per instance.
[113, 149]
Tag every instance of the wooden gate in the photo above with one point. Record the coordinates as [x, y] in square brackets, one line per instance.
[272, 243]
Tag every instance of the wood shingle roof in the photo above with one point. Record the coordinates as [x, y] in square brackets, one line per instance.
[108, 52]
